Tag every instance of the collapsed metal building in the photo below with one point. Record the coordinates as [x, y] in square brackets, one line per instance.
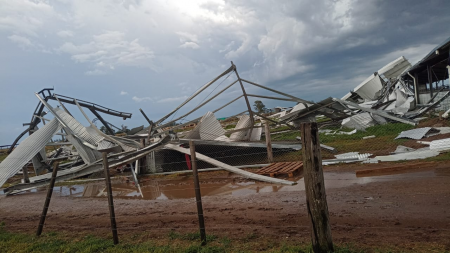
[395, 93]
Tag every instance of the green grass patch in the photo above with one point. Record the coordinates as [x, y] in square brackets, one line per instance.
[3, 156]
[176, 242]
[230, 127]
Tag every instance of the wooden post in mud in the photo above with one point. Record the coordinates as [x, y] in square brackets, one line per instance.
[110, 198]
[198, 195]
[316, 200]
[268, 142]
[26, 179]
[47, 200]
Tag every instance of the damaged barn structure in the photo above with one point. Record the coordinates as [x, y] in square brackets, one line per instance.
[397, 93]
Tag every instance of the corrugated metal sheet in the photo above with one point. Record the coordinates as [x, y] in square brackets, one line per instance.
[370, 88]
[79, 130]
[27, 149]
[353, 155]
[256, 133]
[87, 154]
[395, 68]
[414, 155]
[443, 144]
[416, 134]
[243, 122]
[359, 121]
[38, 165]
[208, 128]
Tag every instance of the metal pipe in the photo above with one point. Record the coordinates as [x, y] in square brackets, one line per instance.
[62, 105]
[47, 200]
[416, 95]
[199, 106]
[145, 116]
[227, 104]
[195, 94]
[252, 119]
[381, 113]
[198, 195]
[279, 92]
[110, 131]
[268, 97]
[110, 198]
[197, 119]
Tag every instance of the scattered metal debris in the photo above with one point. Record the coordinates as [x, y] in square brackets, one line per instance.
[418, 133]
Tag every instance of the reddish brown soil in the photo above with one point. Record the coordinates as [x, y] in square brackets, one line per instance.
[404, 213]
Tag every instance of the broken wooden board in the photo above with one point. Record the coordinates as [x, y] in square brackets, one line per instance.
[230, 168]
[275, 169]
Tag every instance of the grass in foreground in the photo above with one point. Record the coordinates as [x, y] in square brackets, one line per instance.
[172, 242]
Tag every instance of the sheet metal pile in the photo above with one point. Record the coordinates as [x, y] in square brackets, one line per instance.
[386, 96]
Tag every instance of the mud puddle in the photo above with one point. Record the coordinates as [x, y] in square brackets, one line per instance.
[183, 188]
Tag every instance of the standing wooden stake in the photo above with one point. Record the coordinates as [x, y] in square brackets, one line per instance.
[268, 142]
[47, 200]
[198, 195]
[26, 179]
[316, 200]
[110, 198]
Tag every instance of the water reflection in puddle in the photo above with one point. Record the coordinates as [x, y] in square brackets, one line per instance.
[183, 188]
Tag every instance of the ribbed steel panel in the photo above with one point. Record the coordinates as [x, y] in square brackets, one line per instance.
[88, 155]
[79, 130]
[353, 155]
[256, 133]
[416, 134]
[243, 122]
[359, 121]
[27, 149]
[442, 144]
[208, 128]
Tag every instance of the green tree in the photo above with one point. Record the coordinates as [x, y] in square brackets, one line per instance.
[259, 106]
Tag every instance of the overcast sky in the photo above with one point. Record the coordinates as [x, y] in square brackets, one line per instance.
[152, 55]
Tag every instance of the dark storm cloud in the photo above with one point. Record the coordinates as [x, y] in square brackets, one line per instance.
[153, 54]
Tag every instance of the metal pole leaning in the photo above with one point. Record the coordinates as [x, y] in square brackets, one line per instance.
[268, 142]
[110, 198]
[316, 200]
[47, 200]
[250, 112]
[198, 195]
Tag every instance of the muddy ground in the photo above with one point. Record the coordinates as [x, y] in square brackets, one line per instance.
[406, 210]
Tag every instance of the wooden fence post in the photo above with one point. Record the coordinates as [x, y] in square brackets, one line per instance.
[268, 142]
[198, 195]
[48, 198]
[26, 179]
[112, 215]
[316, 200]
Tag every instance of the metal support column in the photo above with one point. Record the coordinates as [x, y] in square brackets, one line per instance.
[110, 131]
[252, 120]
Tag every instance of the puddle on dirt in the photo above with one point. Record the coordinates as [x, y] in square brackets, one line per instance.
[183, 188]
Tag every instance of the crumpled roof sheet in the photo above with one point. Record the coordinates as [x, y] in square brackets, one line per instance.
[243, 122]
[87, 154]
[208, 128]
[256, 133]
[442, 144]
[370, 88]
[395, 68]
[359, 121]
[416, 134]
[27, 149]
[353, 155]
[87, 135]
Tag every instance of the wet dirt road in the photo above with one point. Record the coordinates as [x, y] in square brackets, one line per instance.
[403, 209]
